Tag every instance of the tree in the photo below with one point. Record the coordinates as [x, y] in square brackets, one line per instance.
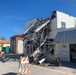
[3, 38]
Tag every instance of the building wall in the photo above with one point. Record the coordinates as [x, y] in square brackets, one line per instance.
[61, 49]
[69, 20]
[0, 48]
[53, 26]
[64, 51]
[3, 45]
[54, 55]
[18, 45]
[29, 23]
[6, 45]
[28, 47]
[13, 45]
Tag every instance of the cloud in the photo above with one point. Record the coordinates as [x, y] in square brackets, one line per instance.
[9, 18]
[14, 17]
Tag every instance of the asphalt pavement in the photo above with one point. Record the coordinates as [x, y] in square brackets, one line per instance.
[11, 68]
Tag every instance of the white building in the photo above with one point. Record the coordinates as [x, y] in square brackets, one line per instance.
[64, 33]
[62, 36]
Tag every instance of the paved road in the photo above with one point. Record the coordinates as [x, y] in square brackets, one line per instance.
[11, 68]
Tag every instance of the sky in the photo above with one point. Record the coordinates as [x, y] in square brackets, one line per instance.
[14, 13]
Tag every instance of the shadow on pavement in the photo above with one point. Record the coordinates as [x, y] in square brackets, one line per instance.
[65, 64]
[10, 73]
[69, 64]
[7, 57]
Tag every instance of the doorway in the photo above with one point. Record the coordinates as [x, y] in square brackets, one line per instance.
[20, 46]
[73, 52]
[29, 49]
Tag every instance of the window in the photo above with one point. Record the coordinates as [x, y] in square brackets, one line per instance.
[28, 49]
[48, 46]
[63, 24]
